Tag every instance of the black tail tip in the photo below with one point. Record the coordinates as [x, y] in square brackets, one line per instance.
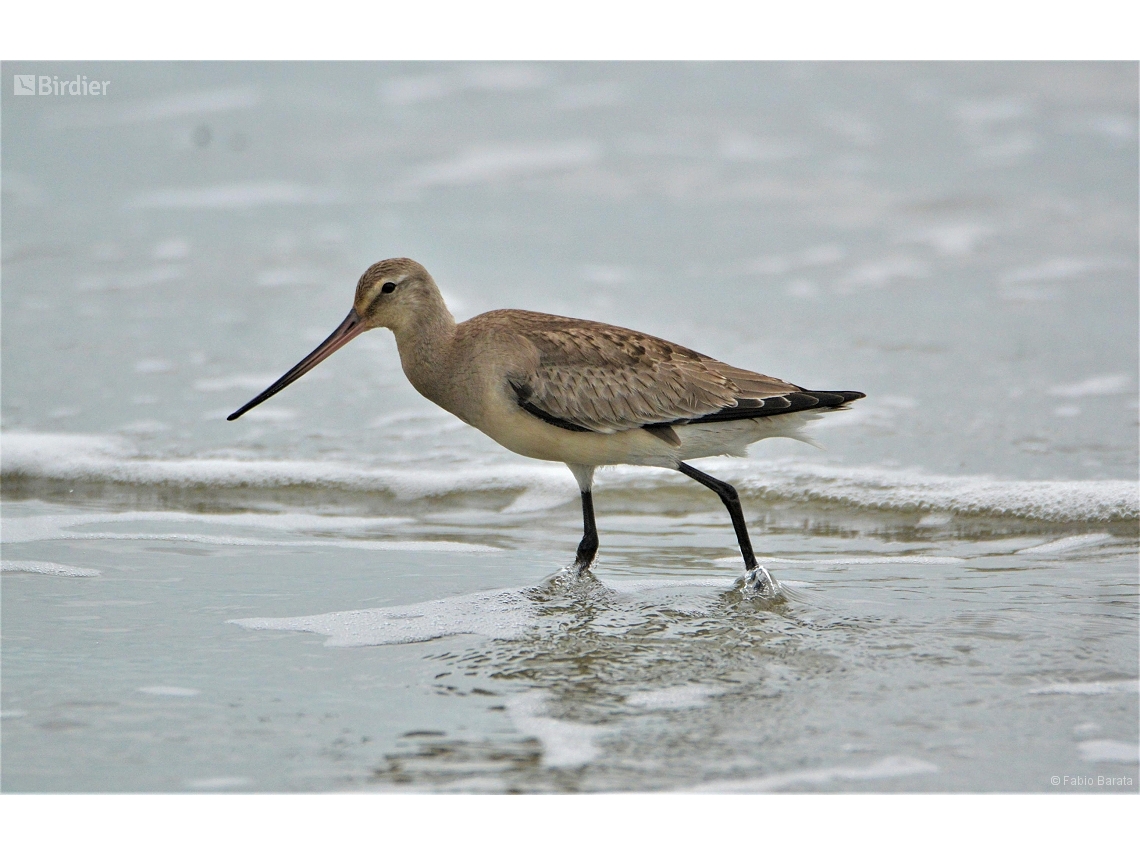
[836, 399]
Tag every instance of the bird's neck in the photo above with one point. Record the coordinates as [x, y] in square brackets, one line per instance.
[424, 342]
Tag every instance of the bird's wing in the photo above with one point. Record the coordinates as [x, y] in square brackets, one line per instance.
[590, 376]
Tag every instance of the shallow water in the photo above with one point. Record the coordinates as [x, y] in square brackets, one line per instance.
[349, 589]
[902, 658]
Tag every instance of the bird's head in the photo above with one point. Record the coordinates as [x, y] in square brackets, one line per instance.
[395, 293]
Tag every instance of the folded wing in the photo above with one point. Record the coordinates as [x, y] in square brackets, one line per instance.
[591, 376]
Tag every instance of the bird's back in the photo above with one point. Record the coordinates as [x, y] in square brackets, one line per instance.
[588, 375]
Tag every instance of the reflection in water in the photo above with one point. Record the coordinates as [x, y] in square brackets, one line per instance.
[586, 686]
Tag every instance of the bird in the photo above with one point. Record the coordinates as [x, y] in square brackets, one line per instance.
[581, 392]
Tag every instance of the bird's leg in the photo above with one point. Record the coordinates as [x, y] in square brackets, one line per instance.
[756, 578]
[731, 500]
[588, 548]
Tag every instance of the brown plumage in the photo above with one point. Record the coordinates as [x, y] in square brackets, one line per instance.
[607, 378]
[586, 393]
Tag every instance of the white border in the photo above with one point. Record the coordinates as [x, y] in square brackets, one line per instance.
[586, 29]
[627, 824]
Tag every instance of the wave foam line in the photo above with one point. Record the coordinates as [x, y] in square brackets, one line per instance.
[913, 491]
[883, 559]
[108, 459]
[1104, 687]
[888, 767]
[81, 457]
[46, 568]
[503, 614]
[26, 529]
[214, 540]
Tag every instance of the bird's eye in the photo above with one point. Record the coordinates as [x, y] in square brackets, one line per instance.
[388, 288]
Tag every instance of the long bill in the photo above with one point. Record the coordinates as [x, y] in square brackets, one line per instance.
[349, 329]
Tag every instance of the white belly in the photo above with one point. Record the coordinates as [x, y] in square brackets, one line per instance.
[529, 436]
[733, 438]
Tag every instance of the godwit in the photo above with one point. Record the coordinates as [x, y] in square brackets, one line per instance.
[585, 393]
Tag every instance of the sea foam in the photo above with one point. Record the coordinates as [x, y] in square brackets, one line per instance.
[565, 744]
[62, 527]
[46, 568]
[27, 529]
[681, 697]
[888, 767]
[1067, 544]
[504, 614]
[76, 457]
[1109, 751]
[1106, 687]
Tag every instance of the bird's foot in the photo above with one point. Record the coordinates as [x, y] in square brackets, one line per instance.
[577, 571]
[580, 568]
[573, 579]
[758, 582]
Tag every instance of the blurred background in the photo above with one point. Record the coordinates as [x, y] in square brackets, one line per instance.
[959, 241]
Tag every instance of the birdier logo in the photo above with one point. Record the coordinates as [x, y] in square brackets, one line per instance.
[30, 84]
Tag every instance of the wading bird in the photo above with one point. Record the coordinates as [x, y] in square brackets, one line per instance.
[585, 393]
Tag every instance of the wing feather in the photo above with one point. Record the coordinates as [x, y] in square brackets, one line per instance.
[603, 378]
